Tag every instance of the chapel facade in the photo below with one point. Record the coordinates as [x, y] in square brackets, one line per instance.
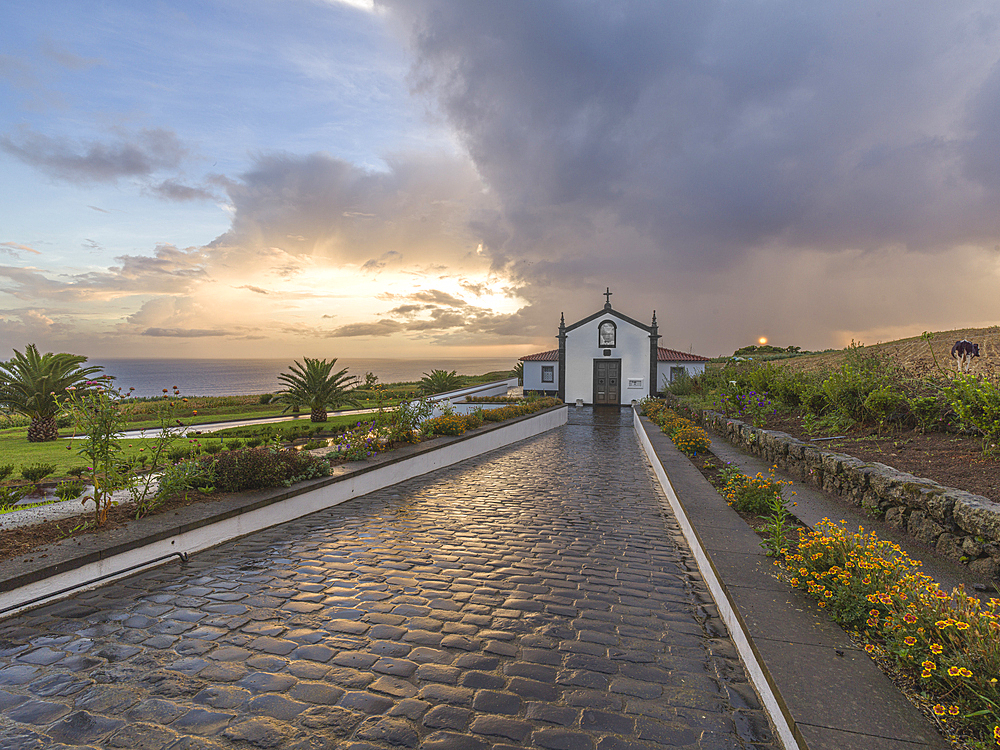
[606, 359]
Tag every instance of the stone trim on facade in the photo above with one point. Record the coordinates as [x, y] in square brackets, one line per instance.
[959, 525]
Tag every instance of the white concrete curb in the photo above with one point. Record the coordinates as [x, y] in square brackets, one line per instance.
[728, 614]
[352, 485]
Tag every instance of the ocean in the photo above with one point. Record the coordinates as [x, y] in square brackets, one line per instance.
[228, 377]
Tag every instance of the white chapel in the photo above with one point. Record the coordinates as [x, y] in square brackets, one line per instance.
[606, 359]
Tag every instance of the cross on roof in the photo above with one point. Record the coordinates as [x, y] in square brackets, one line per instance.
[607, 296]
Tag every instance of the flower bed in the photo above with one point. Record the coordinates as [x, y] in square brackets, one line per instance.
[944, 644]
[947, 642]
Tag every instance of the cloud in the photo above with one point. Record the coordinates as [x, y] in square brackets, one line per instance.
[438, 297]
[175, 191]
[377, 264]
[67, 59]
[185, 332]
[170, 270]
[13, 247]
[130, 155]
[378, 328]
[418, 209]
[252, 288]
[686, 135]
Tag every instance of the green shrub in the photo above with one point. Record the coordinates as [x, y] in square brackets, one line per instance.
[692, 440]
[446, 424]
[5, 471]
[10, 496]
[252, 442]
[70, 490]
[178, 480]
[976, 401]
[234, 444]
[266, 398]
[212, 448]
[77, 471]
[256, 468]
[756, 495]
[926, 410]
[179, 453]
[682, 384]
[883, 403]
[37, 472]
[14, 420]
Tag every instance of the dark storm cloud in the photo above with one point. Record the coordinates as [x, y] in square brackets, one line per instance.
[134, 155]
[682, 134]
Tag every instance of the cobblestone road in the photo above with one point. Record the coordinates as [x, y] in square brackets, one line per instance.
[533, 597]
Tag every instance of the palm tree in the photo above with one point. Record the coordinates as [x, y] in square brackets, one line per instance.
[313, 385]
[439, 381]
[32, 384]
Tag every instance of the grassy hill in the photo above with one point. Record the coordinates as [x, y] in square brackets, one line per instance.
[914, 355]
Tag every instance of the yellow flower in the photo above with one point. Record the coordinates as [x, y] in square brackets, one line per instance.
[928, 665]
[939, 710]
[910, 640]
[962, 625]
[936, 648]
[953, 671]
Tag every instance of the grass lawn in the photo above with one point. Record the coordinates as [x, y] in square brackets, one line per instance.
[63, 453]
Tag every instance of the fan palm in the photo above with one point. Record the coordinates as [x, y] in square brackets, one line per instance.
[439, 381]
[314, 384]
[32, 384]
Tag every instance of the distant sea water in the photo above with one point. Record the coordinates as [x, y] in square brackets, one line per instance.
[229, 377]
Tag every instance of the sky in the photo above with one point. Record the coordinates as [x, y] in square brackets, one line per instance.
[444, 178]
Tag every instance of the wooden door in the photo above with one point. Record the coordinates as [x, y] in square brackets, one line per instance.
[607, 382]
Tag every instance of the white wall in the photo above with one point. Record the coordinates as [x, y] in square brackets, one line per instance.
[532, 380]
[632, 348]
[663, 371]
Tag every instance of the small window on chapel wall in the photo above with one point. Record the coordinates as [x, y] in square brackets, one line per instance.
[548, 373]
[606, 333]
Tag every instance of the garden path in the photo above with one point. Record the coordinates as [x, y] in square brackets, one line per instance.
[537, 596]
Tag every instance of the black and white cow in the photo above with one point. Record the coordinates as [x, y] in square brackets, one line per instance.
[963, 352]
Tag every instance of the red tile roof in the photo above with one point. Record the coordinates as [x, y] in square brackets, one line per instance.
[552, 356]
[672, 355]
[662, 355]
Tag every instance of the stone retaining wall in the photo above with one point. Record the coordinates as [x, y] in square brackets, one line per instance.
[958, 524]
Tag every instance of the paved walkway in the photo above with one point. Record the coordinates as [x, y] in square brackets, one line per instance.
[535, 596]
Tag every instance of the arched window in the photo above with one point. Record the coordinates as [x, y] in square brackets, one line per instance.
[607, 332]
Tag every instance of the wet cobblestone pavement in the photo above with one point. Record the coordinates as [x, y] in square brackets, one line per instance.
[536, 596]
